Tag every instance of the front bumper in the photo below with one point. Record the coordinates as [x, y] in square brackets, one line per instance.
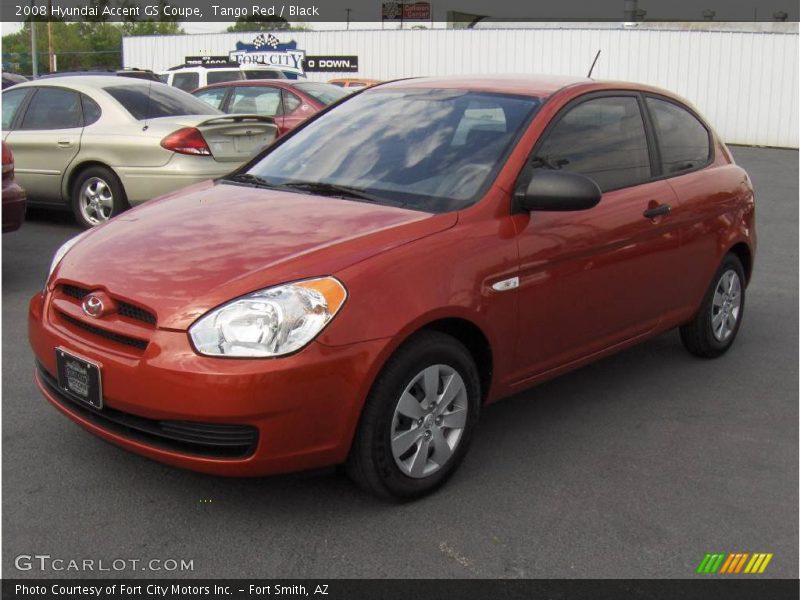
[305, 407]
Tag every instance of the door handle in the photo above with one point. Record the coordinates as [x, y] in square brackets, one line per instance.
[657, 211]
[64, 143]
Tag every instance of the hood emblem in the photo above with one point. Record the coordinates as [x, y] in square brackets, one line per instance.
[93, 306]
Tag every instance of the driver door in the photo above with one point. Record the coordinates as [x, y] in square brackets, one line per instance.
[593, 279]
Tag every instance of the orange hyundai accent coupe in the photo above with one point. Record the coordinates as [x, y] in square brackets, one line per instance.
[362, 288]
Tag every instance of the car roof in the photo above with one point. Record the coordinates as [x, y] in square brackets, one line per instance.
[258, 82]
[222, 67]
[87, 83]
[533, 85]
[540, 86]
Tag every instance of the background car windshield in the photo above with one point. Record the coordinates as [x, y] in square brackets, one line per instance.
[157, 100]
[432, 150]
[322, 92]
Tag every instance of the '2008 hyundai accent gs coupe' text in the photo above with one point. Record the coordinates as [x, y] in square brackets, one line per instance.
[358, 291]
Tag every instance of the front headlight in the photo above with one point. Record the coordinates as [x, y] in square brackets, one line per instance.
[61, 252]
[270, 322]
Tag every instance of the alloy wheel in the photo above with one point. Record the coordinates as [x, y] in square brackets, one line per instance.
[429, 421]
[96, 201]
[726, 305]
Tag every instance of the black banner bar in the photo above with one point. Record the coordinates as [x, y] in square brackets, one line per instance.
[460, 11]
[701, 588]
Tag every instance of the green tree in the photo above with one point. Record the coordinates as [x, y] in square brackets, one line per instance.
[84, 45]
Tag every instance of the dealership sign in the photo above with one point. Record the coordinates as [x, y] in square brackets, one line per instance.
[331, 64]
[267, 51]
[406, 11]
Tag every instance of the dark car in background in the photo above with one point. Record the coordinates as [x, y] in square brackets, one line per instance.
[288, 102]
[13, 195]
[10, 79]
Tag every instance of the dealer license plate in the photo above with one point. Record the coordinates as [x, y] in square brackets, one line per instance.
[79, 378]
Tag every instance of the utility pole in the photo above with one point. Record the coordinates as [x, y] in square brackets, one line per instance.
[50, 55]
[34, 57]
[348, 11]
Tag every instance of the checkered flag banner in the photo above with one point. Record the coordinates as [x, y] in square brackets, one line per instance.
[270, 41]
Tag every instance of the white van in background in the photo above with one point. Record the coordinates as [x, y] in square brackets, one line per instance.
[191, 77]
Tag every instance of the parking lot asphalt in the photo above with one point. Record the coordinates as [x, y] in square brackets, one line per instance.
[635, 466]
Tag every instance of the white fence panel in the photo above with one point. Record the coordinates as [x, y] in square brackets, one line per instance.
[745, 83]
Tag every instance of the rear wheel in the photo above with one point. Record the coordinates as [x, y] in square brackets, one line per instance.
[418, 420]
[97, 195]
[714, 328]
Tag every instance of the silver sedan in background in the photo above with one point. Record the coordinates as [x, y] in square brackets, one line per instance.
[102, 144]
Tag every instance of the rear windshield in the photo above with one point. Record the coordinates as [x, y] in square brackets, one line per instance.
[157, 100]
[322, 92]
[263, 74]
[222, 76]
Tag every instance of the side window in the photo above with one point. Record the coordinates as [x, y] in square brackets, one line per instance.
[290, 102]
[214, 96]
[186, 81]
[683, 140]
[91, 111]
[11, 101]
[257, 100]
[53, 108]
[603, 139]
[221, 76]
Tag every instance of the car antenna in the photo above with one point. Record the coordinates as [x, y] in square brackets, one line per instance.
[149, 89]
[594, 62]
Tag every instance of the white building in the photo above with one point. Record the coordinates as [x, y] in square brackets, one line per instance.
[743, 78]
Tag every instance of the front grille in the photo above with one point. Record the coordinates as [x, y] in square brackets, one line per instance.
[134, 312]
[74, 291]
[124, 308]
[188, 437]
[110, 335]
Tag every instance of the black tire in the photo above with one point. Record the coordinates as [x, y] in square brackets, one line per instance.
[371, 463]
[698, 334]
[110, 182]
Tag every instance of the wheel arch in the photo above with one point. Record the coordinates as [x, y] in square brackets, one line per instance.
[743, 252]
[459, 327]
[74, 173]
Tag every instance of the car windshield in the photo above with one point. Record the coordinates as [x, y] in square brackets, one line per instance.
[151, 101]
[322, 92]
[426, 149]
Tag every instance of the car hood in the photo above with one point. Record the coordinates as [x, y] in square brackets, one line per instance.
[192, 250]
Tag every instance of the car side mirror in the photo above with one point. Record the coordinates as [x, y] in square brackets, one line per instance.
[553, 190]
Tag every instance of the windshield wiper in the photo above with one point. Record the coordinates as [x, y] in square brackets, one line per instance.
[251, 179]
[332, 189]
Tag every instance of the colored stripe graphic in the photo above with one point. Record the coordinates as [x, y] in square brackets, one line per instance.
[734, 563]
[710, 563]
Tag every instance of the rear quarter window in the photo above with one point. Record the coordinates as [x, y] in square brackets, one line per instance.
[324, 93]
[683, 140]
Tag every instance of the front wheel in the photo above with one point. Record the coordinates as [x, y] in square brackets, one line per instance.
[714, 327]
[418, 420]
[97, 195]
